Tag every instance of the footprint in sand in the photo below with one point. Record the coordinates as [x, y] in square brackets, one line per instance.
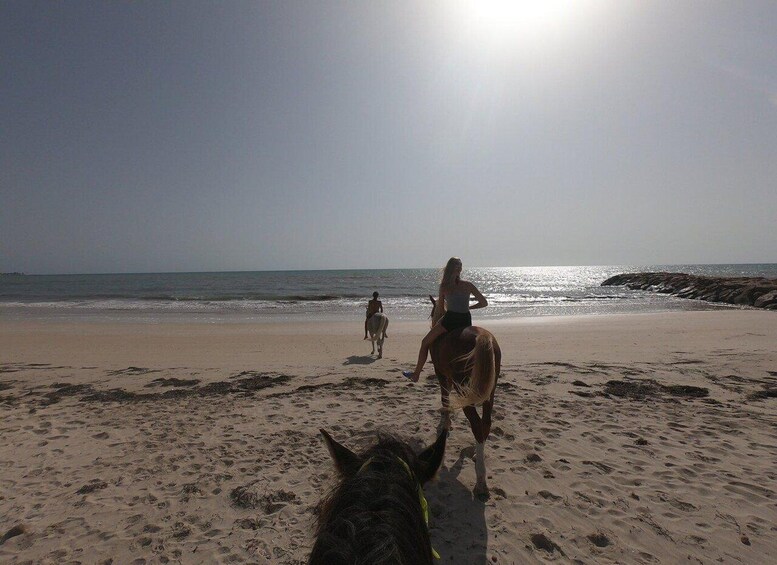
[547, 495]
[541, 541]
[599, 539]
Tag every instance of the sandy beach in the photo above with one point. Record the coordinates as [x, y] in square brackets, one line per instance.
[639, 438]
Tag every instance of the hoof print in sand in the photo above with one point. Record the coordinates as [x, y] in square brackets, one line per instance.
[501, 434]
[95, 484]
[247, 498]
[541, 541]
[249, 523]
[188, 490]
[17, 530]
[181, 531]
[599, 539]
[546, 494]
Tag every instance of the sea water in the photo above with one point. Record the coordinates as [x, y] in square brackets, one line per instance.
[338, 294]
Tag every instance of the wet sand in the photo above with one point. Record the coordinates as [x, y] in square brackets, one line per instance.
[640, 438]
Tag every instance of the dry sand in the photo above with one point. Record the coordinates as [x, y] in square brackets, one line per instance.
[198, 443]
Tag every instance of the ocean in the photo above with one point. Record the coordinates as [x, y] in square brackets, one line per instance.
[337, 294]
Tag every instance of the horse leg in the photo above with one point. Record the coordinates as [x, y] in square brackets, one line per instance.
[487, 406]
[476, 423]
[380, 347]
[481, 488]
[445, 411]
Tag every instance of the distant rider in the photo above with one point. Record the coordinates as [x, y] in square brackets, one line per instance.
[373, 307]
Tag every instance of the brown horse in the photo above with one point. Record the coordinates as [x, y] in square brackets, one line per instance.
[377, 513]
[468, 359]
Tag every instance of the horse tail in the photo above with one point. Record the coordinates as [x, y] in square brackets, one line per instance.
[482, 379]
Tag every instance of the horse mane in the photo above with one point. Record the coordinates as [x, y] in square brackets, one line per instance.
[374, 515]
[438, 310]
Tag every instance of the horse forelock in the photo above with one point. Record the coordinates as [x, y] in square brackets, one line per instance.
[374, 516]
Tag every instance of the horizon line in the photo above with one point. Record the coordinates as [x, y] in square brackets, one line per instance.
[21, 273]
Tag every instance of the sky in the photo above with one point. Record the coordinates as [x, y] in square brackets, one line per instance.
[224, 136]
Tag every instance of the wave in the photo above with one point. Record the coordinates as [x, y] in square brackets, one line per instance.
[247, 297]
[289, 298]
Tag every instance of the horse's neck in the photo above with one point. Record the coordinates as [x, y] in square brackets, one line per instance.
[438, 312]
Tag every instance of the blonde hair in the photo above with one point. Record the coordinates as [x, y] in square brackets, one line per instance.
[447, 281]
[447, 273]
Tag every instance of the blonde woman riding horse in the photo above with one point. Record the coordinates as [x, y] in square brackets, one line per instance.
[466, 358]
[454, 298]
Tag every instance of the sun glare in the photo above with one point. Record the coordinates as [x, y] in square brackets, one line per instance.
[499, 22]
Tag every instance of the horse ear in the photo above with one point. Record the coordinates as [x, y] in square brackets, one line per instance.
[346, 461]
[431, 458]
[434, 302]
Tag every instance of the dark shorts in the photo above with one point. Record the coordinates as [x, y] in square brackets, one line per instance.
[454, 320]
[370, 315]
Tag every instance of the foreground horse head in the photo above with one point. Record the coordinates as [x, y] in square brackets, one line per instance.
[377, 513]
[468, 361]
[377, 325]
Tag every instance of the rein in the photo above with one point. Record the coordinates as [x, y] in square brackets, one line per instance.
[421, 497]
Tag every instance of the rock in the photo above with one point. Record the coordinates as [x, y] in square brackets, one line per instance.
[758, 292]
[765, 300]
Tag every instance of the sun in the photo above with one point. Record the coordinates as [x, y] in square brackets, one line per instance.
[515, 21]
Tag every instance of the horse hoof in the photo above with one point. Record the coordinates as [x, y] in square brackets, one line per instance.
[481, 492]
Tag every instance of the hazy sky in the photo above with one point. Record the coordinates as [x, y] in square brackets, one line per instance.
[194, 136]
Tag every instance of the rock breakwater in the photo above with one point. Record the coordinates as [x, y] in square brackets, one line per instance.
[746, 291]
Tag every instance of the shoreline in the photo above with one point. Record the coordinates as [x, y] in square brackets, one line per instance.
[78, 314]
[125, 441]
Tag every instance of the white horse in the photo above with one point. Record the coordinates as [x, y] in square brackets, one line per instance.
[376, 326]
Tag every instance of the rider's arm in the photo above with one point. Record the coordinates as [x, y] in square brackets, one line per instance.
[481, 300]
[380, 304]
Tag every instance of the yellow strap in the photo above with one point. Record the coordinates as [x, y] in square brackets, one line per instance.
[422, 500]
